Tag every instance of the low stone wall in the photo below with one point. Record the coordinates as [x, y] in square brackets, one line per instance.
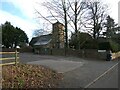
[93, 53]
[71, 52]
[86, 53]
[115, 55]
[60, 52]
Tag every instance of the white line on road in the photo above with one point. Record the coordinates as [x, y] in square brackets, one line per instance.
[100, 76]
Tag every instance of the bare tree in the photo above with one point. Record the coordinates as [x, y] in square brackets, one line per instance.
[66, 22]
[67, 11]
[57, 12]
[95, 16]
[75, 13]
[39, 32]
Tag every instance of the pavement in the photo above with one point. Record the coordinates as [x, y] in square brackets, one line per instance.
[77, 72]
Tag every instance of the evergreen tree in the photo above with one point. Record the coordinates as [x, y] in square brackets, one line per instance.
[11, 36]
[110, 27]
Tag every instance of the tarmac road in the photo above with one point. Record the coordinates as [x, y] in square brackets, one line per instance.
[77, 72]
[108, 80]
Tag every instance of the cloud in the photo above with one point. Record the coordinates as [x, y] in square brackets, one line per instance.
[26, 6]
[25, 25]
[113, 4]
[28, 24]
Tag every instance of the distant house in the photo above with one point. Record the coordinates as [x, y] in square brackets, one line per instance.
[54, 40]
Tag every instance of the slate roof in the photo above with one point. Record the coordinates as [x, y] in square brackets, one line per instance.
[41, 40]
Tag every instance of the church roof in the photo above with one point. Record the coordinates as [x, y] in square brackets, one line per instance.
[41, 40]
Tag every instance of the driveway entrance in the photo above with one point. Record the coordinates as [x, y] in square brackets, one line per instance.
[77, 72]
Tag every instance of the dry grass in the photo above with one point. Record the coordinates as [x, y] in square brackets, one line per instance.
[29, 76]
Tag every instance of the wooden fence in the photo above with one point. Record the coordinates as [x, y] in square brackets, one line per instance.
[9, 58]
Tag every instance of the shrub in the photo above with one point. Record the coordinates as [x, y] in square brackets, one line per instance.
[114, 46]
[109, 45]
[26, 49]
[91, 44]
[104, 46]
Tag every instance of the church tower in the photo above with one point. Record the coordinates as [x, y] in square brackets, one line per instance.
[58, 35]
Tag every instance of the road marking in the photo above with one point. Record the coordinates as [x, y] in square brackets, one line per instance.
[101, 76]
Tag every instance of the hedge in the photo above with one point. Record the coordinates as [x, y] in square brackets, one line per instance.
[109, 45]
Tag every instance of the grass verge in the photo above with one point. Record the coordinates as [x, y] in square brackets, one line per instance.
[29, 76]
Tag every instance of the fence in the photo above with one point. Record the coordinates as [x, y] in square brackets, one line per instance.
[10, 58]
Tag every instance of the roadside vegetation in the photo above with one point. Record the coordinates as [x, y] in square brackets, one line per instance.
[29, 76]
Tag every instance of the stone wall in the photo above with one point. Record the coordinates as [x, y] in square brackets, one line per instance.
[115, 55]
[89, 53]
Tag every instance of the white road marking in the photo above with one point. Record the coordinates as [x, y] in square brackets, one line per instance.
[100, 76]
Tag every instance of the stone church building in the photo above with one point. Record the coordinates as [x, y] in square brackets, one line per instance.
[49, 41]
[58, 35]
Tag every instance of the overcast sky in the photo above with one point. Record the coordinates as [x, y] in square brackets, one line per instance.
[21, 13]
